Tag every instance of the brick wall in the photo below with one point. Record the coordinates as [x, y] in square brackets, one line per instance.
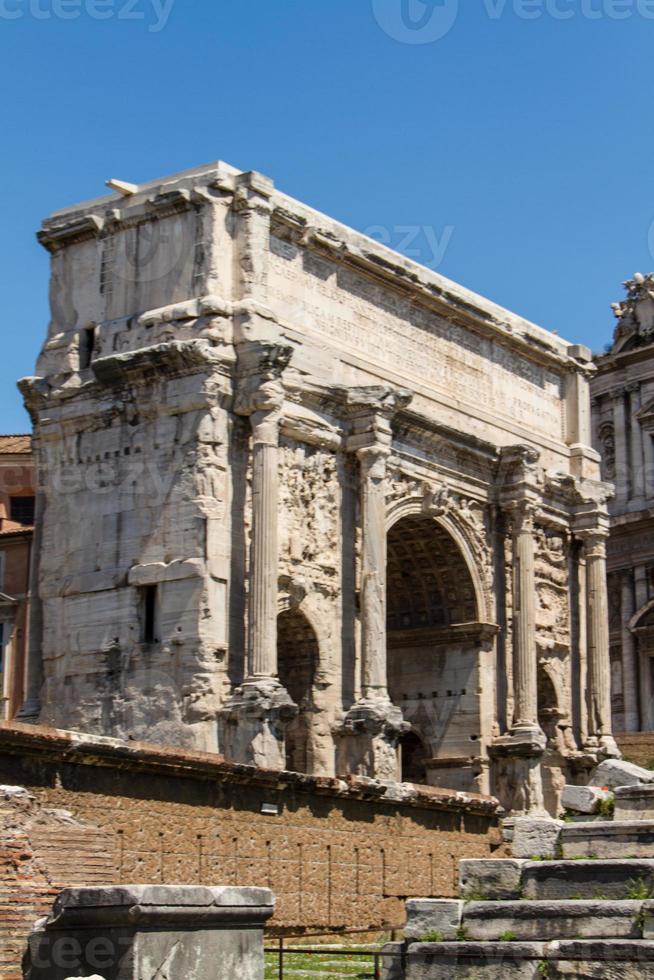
[336, 854]
[637, 747]
[41, 851]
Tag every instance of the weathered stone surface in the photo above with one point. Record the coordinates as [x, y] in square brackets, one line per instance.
[634, 803]
[491, 879]
[148, 932]
[536, 837]
[609, 879]
[584, 799]
[614, 773]
[427, 916]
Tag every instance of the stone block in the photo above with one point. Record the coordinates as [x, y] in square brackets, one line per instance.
[492, 961]
[549, 920]
[536, 837]
[613, 773]
[648, 920]
[428, 916]
[147, 932]
[634, 803]
[586, 880]
[584, 799]
[608, 839]
[591, 959]
[392, 962]
[491, 879]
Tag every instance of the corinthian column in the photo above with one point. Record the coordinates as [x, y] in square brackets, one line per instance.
[373, 724]
[599, 663]
[373, 572]
[525, 677]
[254, 718]
[264, 549]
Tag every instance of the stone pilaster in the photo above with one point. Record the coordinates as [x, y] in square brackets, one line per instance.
[622, 482]
[258, 711]
[644, 662]
[629, 655]
[373, 724]
[600, 735]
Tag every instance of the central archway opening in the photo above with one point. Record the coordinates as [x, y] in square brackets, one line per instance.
[434, 645]
[297, 659]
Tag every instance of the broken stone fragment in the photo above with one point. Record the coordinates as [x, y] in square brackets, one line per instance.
[536, 837]
[616, 772]
[584, 799]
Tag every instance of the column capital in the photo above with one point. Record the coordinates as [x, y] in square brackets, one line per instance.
[259, 385]
[522, 511]
[594, 541]
[370, 410]
[373, 460]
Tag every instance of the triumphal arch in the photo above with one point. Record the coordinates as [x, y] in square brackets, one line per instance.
[310, 505]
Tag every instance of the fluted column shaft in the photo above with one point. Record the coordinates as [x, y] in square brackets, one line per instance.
[622, 481]
[264, 547]
[524, 611]
[629, 664]
[373, 571]
[599, 664]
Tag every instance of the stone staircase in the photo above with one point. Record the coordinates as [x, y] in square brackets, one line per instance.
[576, 900]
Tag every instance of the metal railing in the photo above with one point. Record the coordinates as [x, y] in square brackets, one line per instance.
[281, 951]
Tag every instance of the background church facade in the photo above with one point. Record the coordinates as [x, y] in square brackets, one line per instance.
[623, 423]
[310, 505]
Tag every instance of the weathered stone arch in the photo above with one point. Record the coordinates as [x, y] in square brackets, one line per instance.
[437, 632]
[474, 550]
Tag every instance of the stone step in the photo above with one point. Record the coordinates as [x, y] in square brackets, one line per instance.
[534, 921]
[617, 959]
[602, 880]
[608, 839]
[599, 880]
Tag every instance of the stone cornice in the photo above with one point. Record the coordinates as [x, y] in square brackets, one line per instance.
[173, 359]
[174, 194]
[73, 748]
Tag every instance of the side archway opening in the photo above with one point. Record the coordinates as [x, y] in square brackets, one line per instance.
[297, 658]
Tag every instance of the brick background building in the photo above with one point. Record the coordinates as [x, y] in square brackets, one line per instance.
[17, 495]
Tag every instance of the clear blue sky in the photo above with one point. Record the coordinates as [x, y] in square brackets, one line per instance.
[521, 139]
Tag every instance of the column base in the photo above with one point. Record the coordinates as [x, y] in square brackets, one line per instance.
[518, 776]
[29, 713]
[602, 747]
[369, 738]
[253, 723]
